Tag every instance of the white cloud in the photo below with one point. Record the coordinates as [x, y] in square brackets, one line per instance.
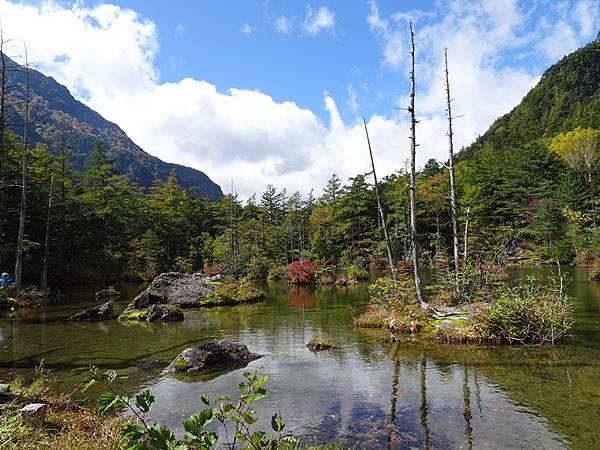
[248, 137]
[283, 25]
[568, 27]
[321, 19]
[247, 29]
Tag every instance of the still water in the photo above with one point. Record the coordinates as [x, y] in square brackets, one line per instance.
[364, 392]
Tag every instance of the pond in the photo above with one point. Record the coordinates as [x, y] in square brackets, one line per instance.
[364, 392]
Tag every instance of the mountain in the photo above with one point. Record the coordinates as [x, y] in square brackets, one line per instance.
[567, 96]
[55, 116]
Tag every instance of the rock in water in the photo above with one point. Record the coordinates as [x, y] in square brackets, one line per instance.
[102, 312]
[164, 313]
[316, 345]
[212, 355]
[154, 313]
[174, 288]
[106, 294]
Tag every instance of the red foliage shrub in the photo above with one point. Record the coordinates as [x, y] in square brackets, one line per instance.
[211, 271]
[301, 271]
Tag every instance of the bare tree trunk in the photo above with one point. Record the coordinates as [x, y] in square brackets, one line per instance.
[3, 156]
[20, 237]
[453, 203]
[44, 281]
[379, 207]
[413, 175]
[465, 254]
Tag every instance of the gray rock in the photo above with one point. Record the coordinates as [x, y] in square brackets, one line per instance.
[34, 412]
[318, 346]
[459, 312]
[210, 356]
[106, 294]
[174, 288]
[4, 389]
[164, 313]
[102, 312]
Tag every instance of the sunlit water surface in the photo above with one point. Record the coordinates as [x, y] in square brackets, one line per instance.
[364, 392]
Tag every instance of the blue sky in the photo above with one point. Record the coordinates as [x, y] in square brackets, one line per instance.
[289, 66]
[271, 91]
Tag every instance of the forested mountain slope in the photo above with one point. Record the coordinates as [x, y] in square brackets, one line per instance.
[567, 96]
[56, 116]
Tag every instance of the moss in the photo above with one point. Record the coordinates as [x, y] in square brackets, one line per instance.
[462, 331]
[182, 365]
[232, 293]
[134, 314]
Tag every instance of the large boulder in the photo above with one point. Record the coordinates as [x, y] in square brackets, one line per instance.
[211, 356]
[153, 313]
[102, 312]
[174, 288]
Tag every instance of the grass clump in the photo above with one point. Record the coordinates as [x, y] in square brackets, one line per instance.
[66, 423]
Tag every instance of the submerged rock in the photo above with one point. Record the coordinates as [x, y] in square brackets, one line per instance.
[174, 288]
[318, 345]
[102, 312]
[154, 313]
[106, 294]
[210, 356]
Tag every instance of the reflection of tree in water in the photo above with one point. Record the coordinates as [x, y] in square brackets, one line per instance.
[467, 408]
[393, 402]
[424, 407]
[301, 297]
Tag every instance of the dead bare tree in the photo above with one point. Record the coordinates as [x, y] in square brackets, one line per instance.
[44, 280]
[3, 156]
[453, 204]
[21, 235]
[413, 175]
[379, 207]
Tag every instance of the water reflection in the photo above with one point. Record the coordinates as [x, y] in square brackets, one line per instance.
[364, 391]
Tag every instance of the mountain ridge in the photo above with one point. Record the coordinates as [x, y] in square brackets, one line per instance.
[57, 116]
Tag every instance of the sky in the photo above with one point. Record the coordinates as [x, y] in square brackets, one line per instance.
[257, 92]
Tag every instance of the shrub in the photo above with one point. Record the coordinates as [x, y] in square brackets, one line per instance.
[474, 282]
[277, 273]
[392, 304]
[301, 271]
[356, 273]
[239, 415]
[385, 292]
[530, 313]
[325, 274]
